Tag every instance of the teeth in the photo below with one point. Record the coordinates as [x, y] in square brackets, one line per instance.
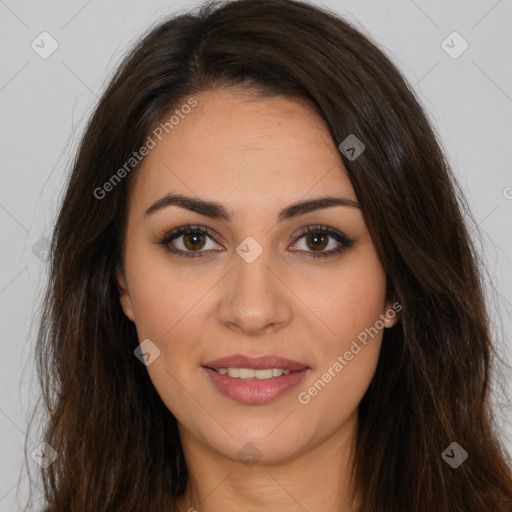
[249, 373]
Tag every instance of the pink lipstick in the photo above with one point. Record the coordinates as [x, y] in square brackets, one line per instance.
[255, 380]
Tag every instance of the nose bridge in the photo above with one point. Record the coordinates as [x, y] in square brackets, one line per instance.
[254, 298]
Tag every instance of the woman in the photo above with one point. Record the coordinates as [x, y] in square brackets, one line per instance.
[263, 293]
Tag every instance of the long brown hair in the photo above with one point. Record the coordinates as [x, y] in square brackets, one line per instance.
[117, 443]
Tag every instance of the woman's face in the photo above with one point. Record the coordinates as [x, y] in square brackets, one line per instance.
[252, 286]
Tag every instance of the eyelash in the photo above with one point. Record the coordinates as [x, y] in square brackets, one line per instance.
[342, 239]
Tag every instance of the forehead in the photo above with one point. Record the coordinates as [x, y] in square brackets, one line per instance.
[236, 148]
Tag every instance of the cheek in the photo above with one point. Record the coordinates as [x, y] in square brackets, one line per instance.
[166, 301]
[353, 300]
[347, 366]
[351, 346]
[169, 308]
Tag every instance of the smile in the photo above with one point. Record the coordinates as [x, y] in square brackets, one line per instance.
[247, 388]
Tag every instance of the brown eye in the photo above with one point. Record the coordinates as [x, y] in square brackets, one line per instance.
[318, 241]
[194, 241]
[189, 241]
[315, 239]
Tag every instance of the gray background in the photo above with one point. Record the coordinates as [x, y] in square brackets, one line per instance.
[45, 103]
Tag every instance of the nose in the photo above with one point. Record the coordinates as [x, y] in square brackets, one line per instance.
[255, 299]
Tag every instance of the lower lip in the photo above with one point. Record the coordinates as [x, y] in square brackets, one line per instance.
[257, 391]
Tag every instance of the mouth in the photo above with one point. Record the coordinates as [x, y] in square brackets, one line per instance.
[255, 380]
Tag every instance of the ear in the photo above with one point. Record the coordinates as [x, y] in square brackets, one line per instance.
[124, 294]
[391, 313]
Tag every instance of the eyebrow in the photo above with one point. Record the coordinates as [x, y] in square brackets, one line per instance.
[218, 211]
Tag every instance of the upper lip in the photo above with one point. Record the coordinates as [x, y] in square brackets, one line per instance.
[256, 363]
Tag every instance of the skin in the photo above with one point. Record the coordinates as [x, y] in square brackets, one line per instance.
[255, 157]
